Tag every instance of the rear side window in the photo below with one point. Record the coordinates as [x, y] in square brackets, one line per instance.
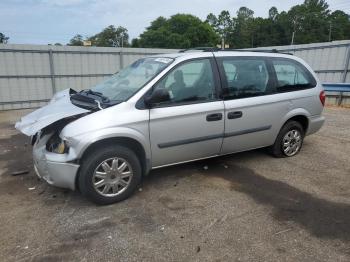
[291, 75]
[246, 77]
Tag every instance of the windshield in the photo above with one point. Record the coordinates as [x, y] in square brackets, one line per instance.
[129, 80]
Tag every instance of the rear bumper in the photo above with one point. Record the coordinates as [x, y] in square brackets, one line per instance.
[55, 172]
[315, 124]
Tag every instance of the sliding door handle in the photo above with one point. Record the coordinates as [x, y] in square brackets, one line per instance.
[234, 115]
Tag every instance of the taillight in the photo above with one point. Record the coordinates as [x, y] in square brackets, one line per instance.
[323, 97]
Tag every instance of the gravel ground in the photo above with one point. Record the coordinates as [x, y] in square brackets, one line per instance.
[244, 207]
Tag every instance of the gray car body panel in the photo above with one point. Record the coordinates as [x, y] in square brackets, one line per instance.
[174, 134]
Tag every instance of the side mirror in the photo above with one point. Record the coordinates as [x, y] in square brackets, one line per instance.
[158, 96]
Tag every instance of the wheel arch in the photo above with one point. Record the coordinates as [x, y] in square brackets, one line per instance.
[300, 115]
[128, 142]
[302, 119]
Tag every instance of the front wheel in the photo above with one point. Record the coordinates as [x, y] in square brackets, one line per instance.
[110, 174]
[289, 140]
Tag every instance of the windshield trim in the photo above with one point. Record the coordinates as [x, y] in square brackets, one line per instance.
[132, 94]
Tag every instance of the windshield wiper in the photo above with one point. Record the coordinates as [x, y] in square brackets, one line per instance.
[89, 99]
[94, 93]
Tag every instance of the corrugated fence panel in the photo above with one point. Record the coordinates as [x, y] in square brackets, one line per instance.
[77, 83]
[347, 80]
[30, 74]
[77, 64]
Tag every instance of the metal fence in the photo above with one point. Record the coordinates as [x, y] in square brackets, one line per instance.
[337, 93]
[31, 74]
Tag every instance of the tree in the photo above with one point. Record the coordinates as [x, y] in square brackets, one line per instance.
[339, 24]
[179, 31]
[273, 13]
[3, 38]
[77, 40]
[223, 25]
[135, 42]
[267, 31]
[243, 33]
[309, 22]
[158, 23]
[111, 36]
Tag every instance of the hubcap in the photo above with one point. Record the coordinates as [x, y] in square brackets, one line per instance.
[112, 177]
[292, 142]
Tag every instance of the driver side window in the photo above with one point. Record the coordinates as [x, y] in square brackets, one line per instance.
[189, 82]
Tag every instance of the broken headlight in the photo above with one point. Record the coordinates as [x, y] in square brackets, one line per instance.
[57, 145]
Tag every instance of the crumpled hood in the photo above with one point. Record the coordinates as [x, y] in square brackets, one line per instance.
[58, 108]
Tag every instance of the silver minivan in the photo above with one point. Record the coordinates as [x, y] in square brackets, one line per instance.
[170, 109]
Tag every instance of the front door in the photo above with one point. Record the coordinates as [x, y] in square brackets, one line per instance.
[191, 125]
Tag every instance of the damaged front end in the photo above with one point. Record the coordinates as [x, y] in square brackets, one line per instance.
[55, 143]
[53, 156]
[54, 159]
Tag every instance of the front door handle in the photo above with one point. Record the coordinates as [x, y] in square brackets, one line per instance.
[214, 117]
[234, 115]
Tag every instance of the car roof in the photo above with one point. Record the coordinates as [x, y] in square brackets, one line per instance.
[179, 54]
[200, 53]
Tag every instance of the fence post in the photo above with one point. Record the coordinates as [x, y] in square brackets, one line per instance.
[121, 60]
[52, 72]
[345, 72]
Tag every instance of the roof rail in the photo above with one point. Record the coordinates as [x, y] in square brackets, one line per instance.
[204, 49]
[257, 50]
[216, 49]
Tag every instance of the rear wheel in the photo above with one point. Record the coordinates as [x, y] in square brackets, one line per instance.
[289, 140]
[110, 174]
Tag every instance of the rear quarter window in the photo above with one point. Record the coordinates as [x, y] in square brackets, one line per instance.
[291, 75]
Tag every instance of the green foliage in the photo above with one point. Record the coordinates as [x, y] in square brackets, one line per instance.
[3, 38]
[223, 24]
[179, 31]
[310, 22]
[340, 25]
[77, 40]
[111, 36]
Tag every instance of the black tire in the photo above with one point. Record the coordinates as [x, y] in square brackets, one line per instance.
[93, 161]
[277, 148]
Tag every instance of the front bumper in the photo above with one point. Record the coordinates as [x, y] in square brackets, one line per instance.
[52, 167]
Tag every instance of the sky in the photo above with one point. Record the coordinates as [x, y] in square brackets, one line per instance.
[52, 21]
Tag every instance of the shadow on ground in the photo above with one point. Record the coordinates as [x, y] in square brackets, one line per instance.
[322, 218]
